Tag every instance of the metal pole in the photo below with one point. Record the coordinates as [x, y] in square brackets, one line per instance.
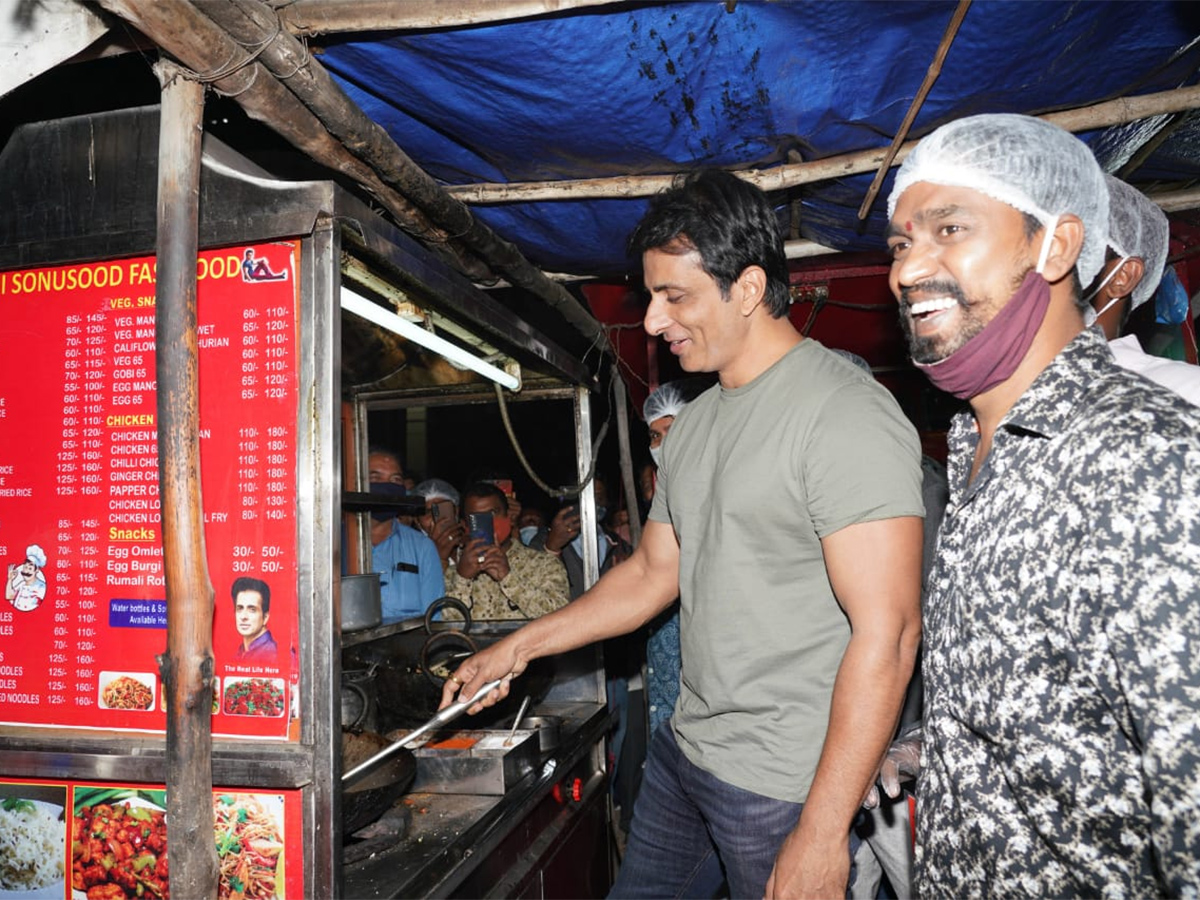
[187, 666]
[627, 479]
[587, 499]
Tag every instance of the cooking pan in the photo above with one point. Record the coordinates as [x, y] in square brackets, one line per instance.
[365, 801]
[357, 774]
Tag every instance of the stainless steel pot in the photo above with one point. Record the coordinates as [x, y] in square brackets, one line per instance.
[362, 601]
[549, 730]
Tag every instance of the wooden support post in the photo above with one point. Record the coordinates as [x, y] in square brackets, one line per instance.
[187, 666]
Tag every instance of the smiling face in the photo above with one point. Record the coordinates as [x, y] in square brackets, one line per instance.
[704, 329]
[957, 258]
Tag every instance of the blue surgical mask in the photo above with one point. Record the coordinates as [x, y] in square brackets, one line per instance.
[527, 534]
[601, 542]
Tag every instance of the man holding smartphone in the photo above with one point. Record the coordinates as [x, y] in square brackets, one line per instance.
[440, 520]
[497, 576]
[788, 519]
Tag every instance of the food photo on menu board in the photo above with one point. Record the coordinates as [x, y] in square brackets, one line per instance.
[33, 838]
[85, 614]
[119, 845]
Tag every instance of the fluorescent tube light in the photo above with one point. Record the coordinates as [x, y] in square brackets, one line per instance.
[373, 312]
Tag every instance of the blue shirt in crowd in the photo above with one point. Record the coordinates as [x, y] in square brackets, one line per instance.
[410, 572]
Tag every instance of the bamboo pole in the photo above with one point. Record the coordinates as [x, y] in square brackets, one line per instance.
[251, 23]
[1099, 115]
[186, 667]
[312, 17]
[931, 75]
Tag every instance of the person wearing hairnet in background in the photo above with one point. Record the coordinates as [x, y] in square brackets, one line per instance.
[1138, 234]
[1061, 751]
[662, 647]
[440, 521]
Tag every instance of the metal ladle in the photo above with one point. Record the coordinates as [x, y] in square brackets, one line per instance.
[517, 720]
[453, 711]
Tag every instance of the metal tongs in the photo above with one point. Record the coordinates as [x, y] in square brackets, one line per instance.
[451, 712]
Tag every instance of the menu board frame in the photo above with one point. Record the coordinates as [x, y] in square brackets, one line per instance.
[307, 757]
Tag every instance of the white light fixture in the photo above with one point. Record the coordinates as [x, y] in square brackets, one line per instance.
[373, 312]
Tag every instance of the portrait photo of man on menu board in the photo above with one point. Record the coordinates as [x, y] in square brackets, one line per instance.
[252, 611]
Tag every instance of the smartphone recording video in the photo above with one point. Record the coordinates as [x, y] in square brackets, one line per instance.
[479, 526]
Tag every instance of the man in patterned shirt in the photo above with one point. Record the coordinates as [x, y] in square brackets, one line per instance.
[505, 579]
[1061, 748]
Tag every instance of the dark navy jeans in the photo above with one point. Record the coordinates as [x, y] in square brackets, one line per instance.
[691, 831]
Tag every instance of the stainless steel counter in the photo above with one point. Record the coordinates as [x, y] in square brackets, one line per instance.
[452, 835]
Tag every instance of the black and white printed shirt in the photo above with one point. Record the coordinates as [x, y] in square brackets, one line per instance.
[1062, 647]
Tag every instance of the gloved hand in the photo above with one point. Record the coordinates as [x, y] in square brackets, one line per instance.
[902, 762]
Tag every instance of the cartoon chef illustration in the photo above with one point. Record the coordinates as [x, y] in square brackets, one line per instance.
[26, 586]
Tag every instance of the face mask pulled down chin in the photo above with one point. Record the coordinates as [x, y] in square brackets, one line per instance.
[992, 355]
[391, 491]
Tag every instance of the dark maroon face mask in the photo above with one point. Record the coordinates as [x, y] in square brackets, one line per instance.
[994, 354]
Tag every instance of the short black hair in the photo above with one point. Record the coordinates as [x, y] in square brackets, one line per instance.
[484, 489]
[260, 587]
[725, 219]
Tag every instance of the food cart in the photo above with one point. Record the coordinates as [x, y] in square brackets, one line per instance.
[82, 716]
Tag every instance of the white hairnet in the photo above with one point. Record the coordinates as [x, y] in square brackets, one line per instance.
[1137, 227]
[854, 358]
[1031, 165]
[437, 489]
[36, 555]
[669, 398]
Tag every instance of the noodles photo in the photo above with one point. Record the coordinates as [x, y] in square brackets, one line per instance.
[124, 692]
[249, 847]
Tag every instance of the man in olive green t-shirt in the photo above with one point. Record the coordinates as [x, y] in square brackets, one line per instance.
[788, 520]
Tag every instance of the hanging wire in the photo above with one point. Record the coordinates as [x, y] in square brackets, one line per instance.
[566, 490]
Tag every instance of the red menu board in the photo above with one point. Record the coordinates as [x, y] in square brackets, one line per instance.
[112, 840]
[84, 614]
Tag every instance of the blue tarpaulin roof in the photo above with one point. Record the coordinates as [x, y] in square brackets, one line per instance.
[640, 89]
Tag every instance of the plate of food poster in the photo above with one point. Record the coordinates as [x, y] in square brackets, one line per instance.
[254, 697]
[127, 690]
[119, 843]
[34, 833]
[249, 838]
